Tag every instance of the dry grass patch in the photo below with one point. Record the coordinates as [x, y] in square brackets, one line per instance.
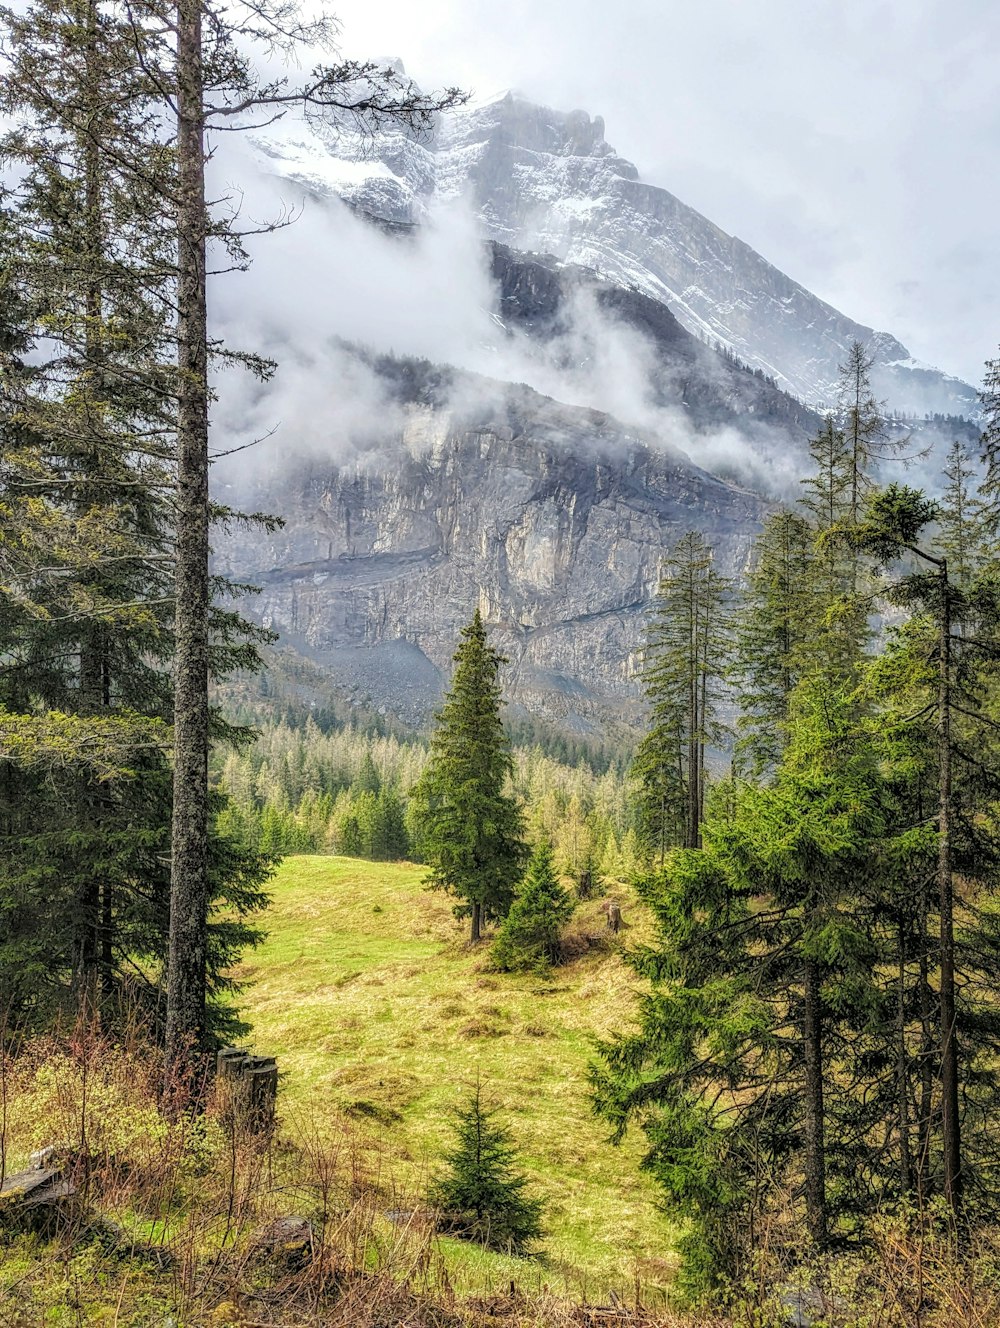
[424, 1009]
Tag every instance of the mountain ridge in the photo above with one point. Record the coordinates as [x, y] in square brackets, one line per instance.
[547, 181]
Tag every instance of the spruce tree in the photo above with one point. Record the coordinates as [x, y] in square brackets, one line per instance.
[867, 440]
[776, 631]
[736, 1075]
[529, 937]
[685, 661]
[472, 824]
[895, 520]
[962, 518]
[989, 398]
[481, 1194]
[89, 473]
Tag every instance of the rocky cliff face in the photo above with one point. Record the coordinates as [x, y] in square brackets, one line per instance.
[551, 519]
[547, 181]
[536, 295]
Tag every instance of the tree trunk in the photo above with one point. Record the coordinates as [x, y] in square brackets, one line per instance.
[691, 833]
[186, 973]
[815, 1148]
[92, 645]
[927, 1040]
[950, 1124]
[477, 920]
[903, 1074]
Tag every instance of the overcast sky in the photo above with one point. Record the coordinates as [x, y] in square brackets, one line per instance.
[855, 144]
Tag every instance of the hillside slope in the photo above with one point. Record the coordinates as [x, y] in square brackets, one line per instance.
[366, 993]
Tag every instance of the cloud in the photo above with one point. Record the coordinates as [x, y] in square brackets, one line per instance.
[331, 278]
[853, 144]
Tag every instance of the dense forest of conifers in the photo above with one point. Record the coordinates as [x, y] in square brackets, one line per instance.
[300, 790]
[821, 1036]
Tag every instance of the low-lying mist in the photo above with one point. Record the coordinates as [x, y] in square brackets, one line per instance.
[330, 280]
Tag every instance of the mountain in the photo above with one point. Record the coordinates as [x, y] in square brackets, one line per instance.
[646, 374]
[547, 181]
[551, 518]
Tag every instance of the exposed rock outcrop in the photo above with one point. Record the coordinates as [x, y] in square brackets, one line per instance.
[553, 519]
[547, 181]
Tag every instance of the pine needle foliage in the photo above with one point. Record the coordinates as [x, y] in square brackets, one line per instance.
[529, 937]
[481, 1196]
[473, 824]
[686, 656]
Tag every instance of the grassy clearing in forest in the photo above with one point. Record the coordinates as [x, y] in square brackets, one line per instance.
[378, 1011]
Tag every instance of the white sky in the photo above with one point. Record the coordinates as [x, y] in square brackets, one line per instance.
[854, 143]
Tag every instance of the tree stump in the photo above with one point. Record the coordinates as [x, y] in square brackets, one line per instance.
[36, 1199]
[247, 1089]
[261, 1079]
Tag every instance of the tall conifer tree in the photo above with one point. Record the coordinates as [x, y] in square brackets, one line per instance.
[686, 657]
[472, 823]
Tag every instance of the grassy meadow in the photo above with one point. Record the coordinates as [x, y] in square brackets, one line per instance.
[382, 1018]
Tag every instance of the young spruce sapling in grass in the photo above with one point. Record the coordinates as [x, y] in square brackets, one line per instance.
[480, 1196]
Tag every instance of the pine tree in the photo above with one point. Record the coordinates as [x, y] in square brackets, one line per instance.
[90, 472]
[894, 521]
[736, 1074]
[777, 628]
[827, 495]
[472, 834]
[686, 656]
[989, 398]
[529, 937]
[962, 518]
[481, 1195]
[214, 83]
[867, 440]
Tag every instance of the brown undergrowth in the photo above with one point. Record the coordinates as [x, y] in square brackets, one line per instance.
[177, 1223]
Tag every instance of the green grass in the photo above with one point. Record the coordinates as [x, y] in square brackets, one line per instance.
[380, 1015]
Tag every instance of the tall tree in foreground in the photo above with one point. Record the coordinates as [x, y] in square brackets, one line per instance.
[86, 579]
[895, 520]
[214, 84]
[473, 825]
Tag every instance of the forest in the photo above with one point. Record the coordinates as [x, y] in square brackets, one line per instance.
[782, 896]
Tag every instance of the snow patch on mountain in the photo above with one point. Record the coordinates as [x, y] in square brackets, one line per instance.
[547, 181]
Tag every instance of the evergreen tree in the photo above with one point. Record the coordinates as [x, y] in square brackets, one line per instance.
[894, 521]
[472, 835]
[866, 437]
[962, 518]
[213, 84]
[827, 491]
[737, 1073]
[989, 398]
[481, 1195]
[686, 657]
[529, 937]
[777, 628]
[88, 468]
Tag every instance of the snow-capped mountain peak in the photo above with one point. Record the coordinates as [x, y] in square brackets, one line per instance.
[548, 181]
